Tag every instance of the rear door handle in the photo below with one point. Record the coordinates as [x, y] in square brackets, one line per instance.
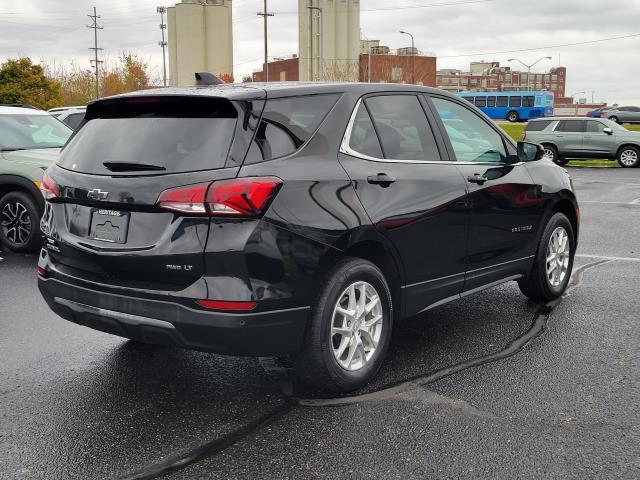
[477, 178]
[381, 179]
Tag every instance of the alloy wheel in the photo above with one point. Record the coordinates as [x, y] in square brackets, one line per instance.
[549, 154]
[558, 253]
[356, 326]
[629, 157]
[16, 223]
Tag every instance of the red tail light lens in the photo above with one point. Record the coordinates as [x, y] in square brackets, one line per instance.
[187, 199]
[238, 197]
[242, 197]
[224, 305]
[42, 272]
[48, 188]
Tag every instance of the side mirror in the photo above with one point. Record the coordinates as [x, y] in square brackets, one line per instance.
[607, 130]
[529, 152]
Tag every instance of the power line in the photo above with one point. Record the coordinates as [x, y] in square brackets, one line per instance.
[586, 42]
[95, 48]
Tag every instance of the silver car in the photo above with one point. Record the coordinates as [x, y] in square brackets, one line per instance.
[567, 138]
[622, 114]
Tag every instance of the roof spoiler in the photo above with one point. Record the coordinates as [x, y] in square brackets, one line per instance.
[206, 78]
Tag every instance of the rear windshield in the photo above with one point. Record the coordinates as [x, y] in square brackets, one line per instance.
[141, 141]
[537, 126]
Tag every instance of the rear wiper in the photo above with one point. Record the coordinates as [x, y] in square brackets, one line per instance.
[131, 167]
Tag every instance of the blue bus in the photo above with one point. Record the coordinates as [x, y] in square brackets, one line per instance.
[512, 106]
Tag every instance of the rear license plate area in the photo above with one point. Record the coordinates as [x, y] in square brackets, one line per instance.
[109, 225]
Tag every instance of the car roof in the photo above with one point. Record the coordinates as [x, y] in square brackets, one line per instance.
[543, 119]
[21, 110]
[63, 109]
[240, 91]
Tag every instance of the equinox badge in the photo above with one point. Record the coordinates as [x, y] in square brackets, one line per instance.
[97, 194]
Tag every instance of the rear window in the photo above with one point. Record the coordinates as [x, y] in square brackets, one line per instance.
[287, 124]
[538, 125]
[152, 136]
[575, 126]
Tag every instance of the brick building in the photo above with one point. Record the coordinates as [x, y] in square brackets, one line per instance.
[385, 67]
[286, 69]
[491, 77]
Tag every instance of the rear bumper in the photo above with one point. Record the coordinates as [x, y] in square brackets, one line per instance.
[168, 323]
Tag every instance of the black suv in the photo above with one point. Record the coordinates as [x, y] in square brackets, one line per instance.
[295, 219]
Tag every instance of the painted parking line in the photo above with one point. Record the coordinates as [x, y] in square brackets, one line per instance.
[634, 202]
[606, 257]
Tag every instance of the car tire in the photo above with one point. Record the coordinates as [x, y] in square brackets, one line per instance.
[513, 116]
[19, 222]
[614, 119]
[551, 153]
[334, 355]
[545, 284]
[629, 157]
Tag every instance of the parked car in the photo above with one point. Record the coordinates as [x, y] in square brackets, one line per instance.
[566, 138]
[58, 110]
[622, 114]
[30, 141]
[72, 117]
[597, 113]
[295, 219]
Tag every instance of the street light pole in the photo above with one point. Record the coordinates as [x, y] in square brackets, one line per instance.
[413, 58]
[368, 57]
[528, 67]
[320, 41]
[573, 95]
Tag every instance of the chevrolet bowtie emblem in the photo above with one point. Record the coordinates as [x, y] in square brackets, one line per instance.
[97, 194]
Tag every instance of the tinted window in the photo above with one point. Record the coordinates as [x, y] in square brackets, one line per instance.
[468, 99]
[472, 138]
[515, 101]
[74, 120]
[402, 127]
[502, 101]
[571, 126]
[287, 123]
[481, 101]
[491, 101]
[537, 126]
[175, 144]
[363, 136]
[528, 101]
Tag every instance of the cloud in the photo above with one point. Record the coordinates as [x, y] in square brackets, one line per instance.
[55, 29]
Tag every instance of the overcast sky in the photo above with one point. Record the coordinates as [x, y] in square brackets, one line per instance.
[457, 31]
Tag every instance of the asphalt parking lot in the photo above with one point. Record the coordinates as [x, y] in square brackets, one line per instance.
[492, 386]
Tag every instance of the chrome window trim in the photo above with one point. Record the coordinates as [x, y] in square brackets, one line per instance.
[346, 149]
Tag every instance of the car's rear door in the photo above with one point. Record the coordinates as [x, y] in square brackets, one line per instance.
[106, 224]
[505, 207]
[569, 137]
[412, 196]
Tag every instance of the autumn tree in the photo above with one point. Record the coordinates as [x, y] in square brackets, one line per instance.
[22, 81]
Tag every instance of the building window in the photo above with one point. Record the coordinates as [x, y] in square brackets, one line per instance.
[396, 74]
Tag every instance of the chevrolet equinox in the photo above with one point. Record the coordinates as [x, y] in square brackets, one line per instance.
[300, 220]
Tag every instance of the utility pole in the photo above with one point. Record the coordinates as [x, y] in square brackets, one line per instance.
[264, 14]
[163, 43]
[95, 48]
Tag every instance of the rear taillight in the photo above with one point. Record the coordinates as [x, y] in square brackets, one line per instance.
[48, 188]
[238, 197]
[42, 272]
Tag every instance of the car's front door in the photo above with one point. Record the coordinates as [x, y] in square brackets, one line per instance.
[569, 137]
[598, 143]
[413, 197]
[505, 204]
